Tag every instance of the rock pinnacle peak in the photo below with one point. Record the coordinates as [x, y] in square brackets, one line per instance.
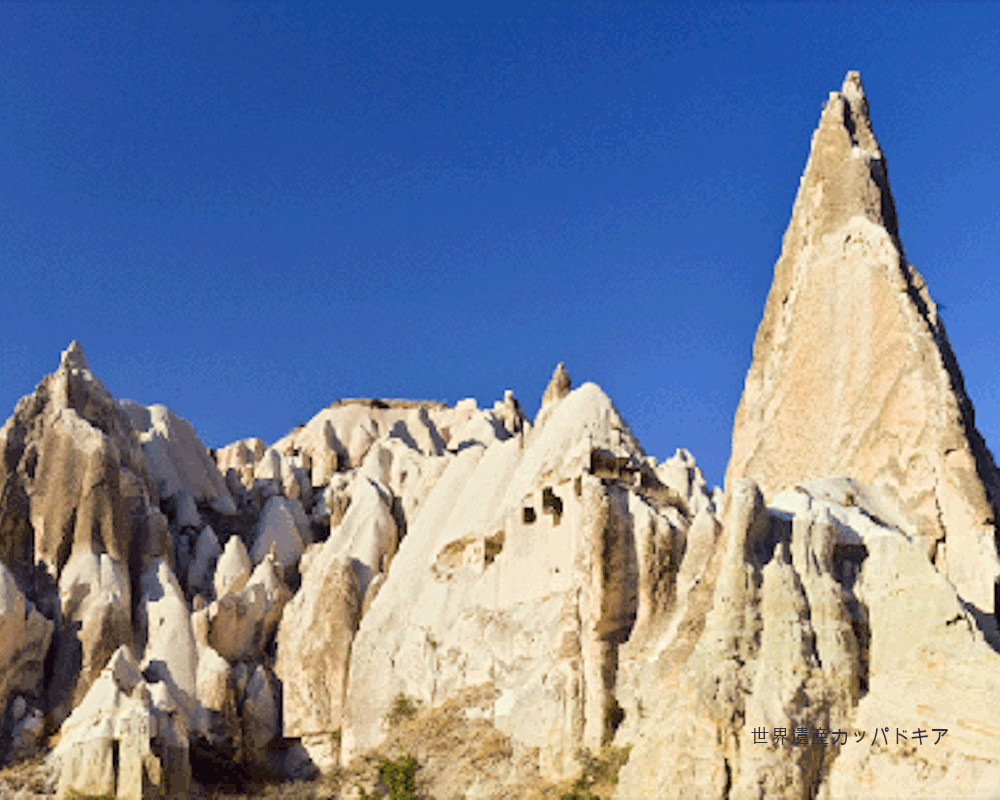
[853, 89]
[73, 357]
[559, 386]
[852, 373]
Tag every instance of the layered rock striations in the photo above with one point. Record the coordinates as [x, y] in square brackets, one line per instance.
[852, 373]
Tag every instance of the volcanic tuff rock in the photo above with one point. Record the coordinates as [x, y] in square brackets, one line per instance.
[524, 569]
[77, 500]
[498, 596]
[852, 373]
[821, 617]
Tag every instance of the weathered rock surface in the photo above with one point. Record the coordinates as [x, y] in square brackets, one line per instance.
[232, 571]
[284, 530]
[825, 619]
[25, 636]
[177, 458]
[852, 372]
[126, 739]
[314, 645]
[521, 570]
[559, 386]
[77, 499]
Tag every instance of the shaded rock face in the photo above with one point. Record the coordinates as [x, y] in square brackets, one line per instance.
[820, 618]
[77, 500]
[24, 642]
[852, 373]
[126, 739]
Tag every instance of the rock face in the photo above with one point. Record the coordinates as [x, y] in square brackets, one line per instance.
[125, 740]
[79, 502]
[525, 568]
[821, 618]
[852, 373]
[559, 386]
[314, 646]
[176, 457]
[24, 642]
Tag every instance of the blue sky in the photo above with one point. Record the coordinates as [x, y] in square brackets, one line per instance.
[245, 212]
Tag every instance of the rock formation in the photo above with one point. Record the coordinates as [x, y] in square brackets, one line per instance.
[524, 569]
[518, 601]
[77, 501]
[852, 373]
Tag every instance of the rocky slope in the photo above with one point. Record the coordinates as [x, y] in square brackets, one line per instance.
[528, 605]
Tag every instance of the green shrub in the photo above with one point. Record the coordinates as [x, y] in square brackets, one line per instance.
[403, 707]
[399, 777]
[600, 772]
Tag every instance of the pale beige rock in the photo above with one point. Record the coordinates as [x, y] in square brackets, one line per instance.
[75, 484]
[852, 373]
[240, 457]
[339, 437]
[519, 569]
[95, 602]
[559, 386]
[233, 568]
[283, 527]
[164, 623]
[268, 576]
[367, 535]
[241, 624]
[314, 641]
[217, 709]
[176, 456]
[261, 714]
[206, 556]
[821, 616]
[125, 739]
[72, 450]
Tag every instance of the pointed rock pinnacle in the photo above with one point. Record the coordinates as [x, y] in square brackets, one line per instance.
[852, 374]
[73, 357]
[559, 386]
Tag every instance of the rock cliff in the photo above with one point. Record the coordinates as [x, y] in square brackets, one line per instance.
[852, 373]
[533, 608]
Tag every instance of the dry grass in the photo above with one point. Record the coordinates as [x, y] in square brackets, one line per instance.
[31, 778]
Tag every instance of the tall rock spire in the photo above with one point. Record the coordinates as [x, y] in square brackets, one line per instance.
[852, 372]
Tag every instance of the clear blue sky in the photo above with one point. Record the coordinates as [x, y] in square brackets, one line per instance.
[245, 212]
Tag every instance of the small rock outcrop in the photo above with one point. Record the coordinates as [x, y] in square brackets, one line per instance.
[24, 642]
[852, 372]
[559, 386]
[127, 739]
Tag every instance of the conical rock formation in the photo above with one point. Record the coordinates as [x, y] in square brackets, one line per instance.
[852, 373]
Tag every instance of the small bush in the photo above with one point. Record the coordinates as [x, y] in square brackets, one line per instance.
[403, 708]
[399, 777]
[599, 775]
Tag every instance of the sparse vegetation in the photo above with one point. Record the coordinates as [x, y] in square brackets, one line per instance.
[493, 545]
[399, 776]
[599, 776]
[403, 708]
